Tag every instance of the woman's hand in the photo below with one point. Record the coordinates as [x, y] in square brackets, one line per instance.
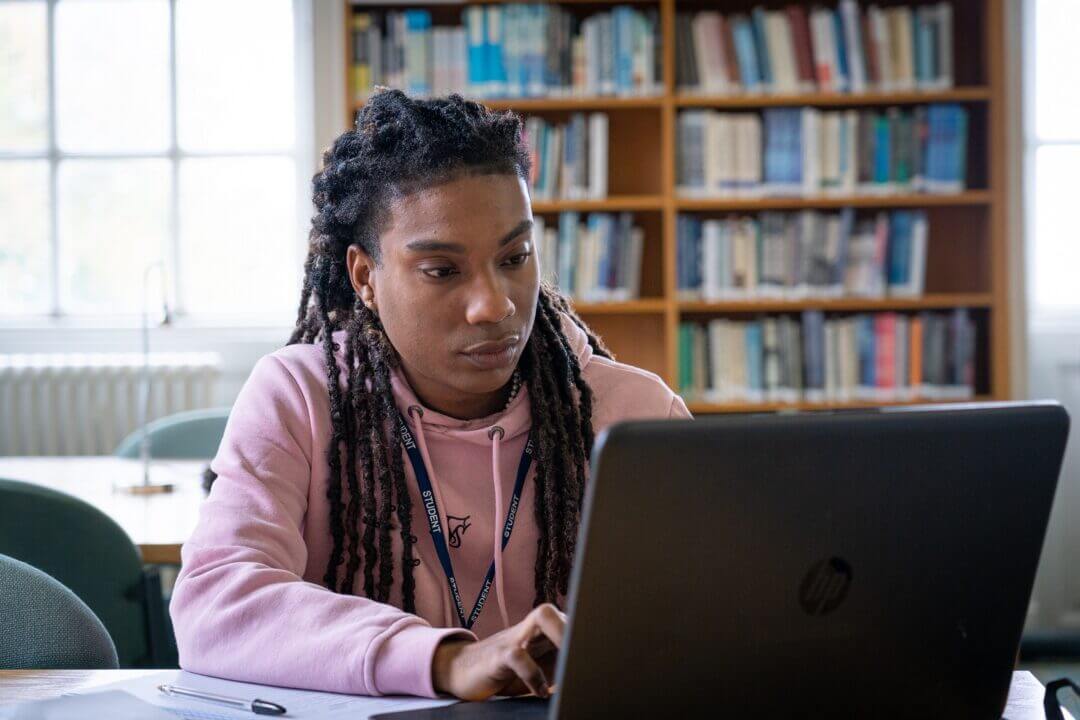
[518, 660]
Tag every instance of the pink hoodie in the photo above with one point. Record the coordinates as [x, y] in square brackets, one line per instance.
[249, 603]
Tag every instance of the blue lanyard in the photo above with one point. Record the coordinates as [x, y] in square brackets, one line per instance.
[438, 537]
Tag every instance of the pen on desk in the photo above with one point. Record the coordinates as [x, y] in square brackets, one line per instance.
[259, 707]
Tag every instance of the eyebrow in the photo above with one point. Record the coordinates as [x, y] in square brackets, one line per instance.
[438, 246]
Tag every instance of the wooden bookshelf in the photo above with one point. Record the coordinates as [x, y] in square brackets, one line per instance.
[633, 307]
[571, 104]
[845, 304]
[966, 263]
[743, 102]
[709, 408]
[610, 204]
[913, 200]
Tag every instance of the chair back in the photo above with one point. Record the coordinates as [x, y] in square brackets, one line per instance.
[43, 625]
[86, 551]
[192, 435]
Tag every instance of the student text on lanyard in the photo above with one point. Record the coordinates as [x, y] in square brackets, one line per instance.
[438, 538]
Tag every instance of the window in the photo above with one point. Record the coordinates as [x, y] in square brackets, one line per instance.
[143, 131]
[1052, 157]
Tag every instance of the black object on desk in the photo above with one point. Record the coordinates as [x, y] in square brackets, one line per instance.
[863, 564]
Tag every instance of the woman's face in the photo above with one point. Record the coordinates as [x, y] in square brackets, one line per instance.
[456, 288]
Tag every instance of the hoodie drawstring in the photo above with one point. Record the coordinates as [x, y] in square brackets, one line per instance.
[496, 434]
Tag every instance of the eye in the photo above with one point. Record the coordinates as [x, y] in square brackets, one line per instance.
[439, 273]
[519, 259]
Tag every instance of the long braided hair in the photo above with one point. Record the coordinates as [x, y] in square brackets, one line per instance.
[401, 145]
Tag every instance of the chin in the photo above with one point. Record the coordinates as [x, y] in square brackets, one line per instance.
[485, 381]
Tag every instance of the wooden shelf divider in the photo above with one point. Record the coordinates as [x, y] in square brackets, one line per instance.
[905, 200]
[612, 203]
[646, 306]
[760, 100]
[700, 407]
[846, 304]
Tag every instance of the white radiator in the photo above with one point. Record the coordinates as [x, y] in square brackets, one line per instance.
[85, 404]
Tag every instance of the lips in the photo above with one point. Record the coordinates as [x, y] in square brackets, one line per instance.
[493, 354]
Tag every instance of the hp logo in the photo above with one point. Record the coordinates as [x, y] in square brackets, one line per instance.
[825, 586]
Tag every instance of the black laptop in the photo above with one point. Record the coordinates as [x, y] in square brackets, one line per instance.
[843, 564]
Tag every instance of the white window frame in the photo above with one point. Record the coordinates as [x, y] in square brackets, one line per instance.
[1040, 317]
[302, 153]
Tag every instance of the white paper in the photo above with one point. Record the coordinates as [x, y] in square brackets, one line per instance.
[1026, 698]
[298, 703]
[113, 704]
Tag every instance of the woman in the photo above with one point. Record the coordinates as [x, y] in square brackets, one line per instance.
[399, 489]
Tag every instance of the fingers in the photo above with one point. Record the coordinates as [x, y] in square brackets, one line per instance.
[531, 675]
[549, 621]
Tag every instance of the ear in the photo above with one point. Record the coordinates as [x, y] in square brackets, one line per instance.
[361, 269]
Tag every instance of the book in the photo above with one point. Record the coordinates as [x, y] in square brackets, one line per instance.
[814, 357]
[507, 50]
[818, 49]
[793, 151]
[569, 160]
[594, 260]
[802, 255]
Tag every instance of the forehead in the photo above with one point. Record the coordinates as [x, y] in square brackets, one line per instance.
[477, 208]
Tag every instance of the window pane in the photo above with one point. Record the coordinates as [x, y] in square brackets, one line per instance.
[1056, 247]
[234, 66]
[113, 223]
[1057, 55]
[24, 236]
[112, 75]
[23, 76]
[238, 236]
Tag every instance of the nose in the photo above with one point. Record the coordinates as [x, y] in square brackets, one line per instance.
[488, 300]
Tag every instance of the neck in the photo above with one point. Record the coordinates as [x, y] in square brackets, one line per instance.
[454, 403]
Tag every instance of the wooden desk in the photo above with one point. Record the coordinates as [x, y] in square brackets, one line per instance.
[1025, 694]
[22, 685]
[157, 524]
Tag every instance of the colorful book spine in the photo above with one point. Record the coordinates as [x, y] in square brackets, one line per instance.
[822, 49]
[819, 358]
[800, 255]
[599, 259]
[805, 151]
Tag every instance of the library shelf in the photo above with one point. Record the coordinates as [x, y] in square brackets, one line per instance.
[698, 407]
[978, 93]
[937, 301]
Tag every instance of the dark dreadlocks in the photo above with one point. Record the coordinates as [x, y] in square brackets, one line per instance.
[401, 145]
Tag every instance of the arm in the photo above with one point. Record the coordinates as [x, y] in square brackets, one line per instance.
[241, 608]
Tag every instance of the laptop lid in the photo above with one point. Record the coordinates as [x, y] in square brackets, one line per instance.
[818, 564]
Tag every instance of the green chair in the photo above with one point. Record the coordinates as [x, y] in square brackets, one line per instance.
[85, 550]
[192, 435]
[43, 625]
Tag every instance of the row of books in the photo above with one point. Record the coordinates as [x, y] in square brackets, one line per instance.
[806, 151]
[511, 50]
[597, 259]
[807, 254]
[570, 160]
[806, 49]
[401, 49]
[813, 358]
